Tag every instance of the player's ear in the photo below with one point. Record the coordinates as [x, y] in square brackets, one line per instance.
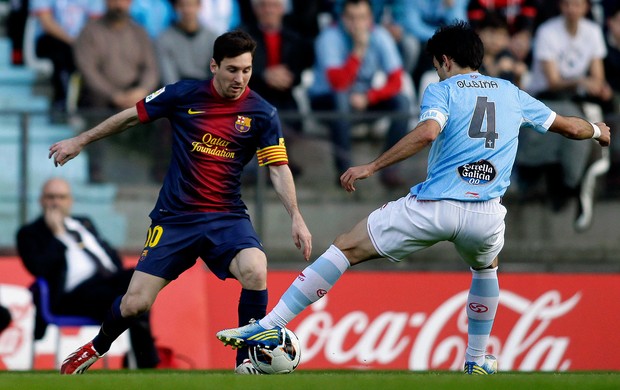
[213, 66]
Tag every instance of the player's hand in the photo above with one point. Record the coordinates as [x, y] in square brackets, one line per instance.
[355, 173]
[302, 236]
[605, 138]
[65, 150]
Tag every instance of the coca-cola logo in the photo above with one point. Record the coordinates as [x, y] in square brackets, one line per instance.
[478, 307]
[427, 341]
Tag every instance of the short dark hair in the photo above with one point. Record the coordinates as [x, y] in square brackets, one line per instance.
[354, 2]
[458, 41]
[232, 44]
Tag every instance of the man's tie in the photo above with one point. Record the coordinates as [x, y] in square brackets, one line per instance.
[102, 270]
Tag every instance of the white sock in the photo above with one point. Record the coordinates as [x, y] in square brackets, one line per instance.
[482, 303]
[311, 284]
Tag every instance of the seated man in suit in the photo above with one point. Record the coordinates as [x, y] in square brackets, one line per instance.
[84, 273]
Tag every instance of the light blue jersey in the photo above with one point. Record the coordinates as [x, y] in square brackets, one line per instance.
[472, 158]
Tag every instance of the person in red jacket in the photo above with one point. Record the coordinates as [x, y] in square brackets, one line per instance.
[348, 57]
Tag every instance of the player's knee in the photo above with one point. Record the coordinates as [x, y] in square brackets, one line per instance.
[254, 277]
[133, 305]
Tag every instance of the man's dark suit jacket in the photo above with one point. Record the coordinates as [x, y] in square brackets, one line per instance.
[295, 51]
[44, 255]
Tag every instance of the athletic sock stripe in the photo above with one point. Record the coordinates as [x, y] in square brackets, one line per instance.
[484, 287]
[295, 300]
[480, 327]
[326, 269]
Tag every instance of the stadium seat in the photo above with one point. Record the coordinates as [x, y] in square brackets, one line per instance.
[45, 317]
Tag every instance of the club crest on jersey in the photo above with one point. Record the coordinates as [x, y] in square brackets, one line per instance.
[243, 123]
[154, 94]
[478, 173]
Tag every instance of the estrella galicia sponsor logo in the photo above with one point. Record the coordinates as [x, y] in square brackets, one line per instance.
[478, 173]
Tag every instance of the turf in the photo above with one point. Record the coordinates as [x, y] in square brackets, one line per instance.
[323, 380]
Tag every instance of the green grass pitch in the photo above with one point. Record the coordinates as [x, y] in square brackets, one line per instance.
[323, 380]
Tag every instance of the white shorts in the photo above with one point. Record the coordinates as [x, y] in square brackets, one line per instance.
[408, 225]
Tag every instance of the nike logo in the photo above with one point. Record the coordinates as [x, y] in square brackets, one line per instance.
[192, 112]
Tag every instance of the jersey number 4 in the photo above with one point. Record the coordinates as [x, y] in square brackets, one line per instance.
[484, 108]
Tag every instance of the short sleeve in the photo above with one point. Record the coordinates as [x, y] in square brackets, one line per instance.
[157, 104]
[271, 147]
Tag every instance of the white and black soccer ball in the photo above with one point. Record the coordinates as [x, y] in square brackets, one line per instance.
[282, 359]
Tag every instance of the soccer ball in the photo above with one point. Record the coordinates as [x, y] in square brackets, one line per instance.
[282, 359]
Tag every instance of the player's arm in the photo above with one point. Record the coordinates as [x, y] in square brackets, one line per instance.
[420, 137]
[67, 149]
[283, 183]
[578, 128]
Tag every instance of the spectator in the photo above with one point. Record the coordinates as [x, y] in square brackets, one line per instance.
[184, 50]
[15, 28]
[280, 57]
[84, 273]
[612, 73]
[518, 14]
[498, 61]
[567, 66]
[117, 61]
[520, 17]
[220, 16]
[421, 18]
[612, 61]
[154, 15]
[303, 17]
[348, 56]
[61, 22]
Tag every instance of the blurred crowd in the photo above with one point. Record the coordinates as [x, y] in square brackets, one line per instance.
[344, 57]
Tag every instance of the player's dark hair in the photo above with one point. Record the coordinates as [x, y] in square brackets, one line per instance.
[232, 44]
[458, 41]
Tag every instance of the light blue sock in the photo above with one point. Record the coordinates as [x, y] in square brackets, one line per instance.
[482, 303]
[309, 286]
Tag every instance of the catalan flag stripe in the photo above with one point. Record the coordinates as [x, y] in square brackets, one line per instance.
[272, 154]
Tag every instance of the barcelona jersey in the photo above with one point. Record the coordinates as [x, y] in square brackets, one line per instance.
[213, 139]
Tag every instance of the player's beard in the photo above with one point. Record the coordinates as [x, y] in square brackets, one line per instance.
[235, 93]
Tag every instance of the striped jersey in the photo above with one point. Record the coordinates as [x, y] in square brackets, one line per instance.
[212, 140]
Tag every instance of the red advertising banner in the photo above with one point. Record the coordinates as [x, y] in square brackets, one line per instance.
[369, 320]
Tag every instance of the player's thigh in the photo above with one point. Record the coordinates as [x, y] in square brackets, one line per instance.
[228, 237]
[480, 236]
[404, 226]
[171, 249]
